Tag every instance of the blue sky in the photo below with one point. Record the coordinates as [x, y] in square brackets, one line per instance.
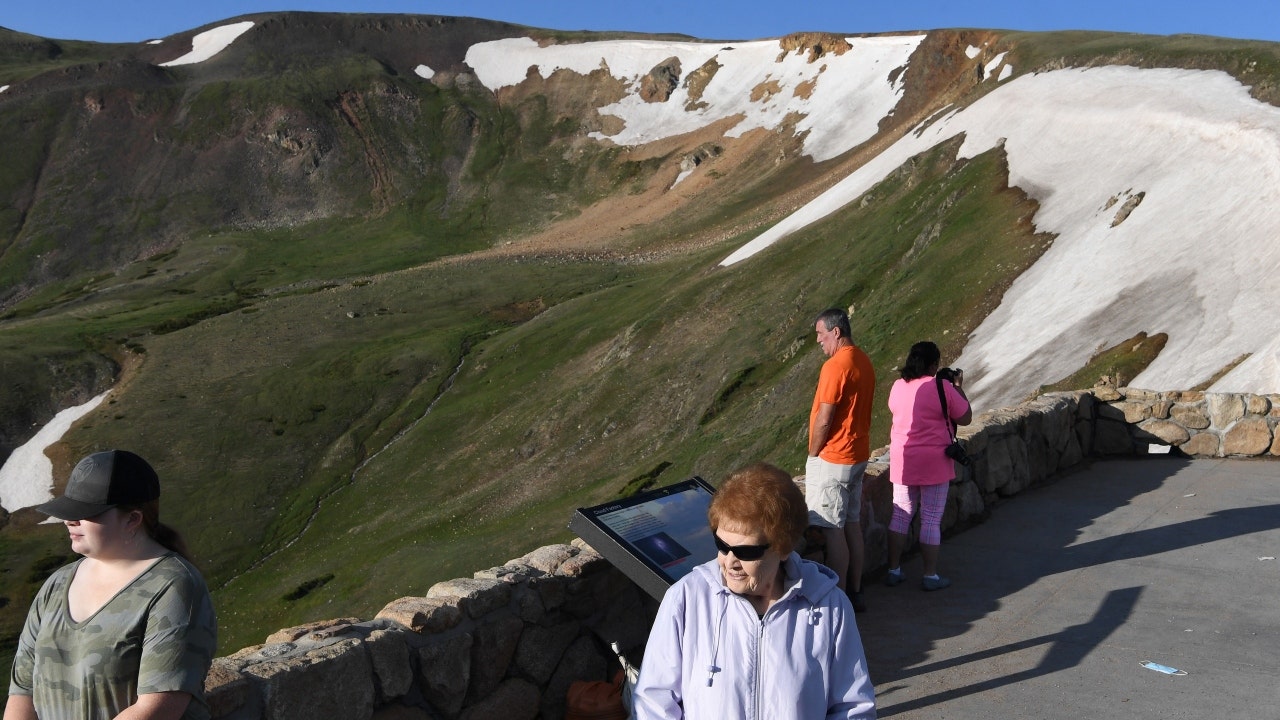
[135, 20]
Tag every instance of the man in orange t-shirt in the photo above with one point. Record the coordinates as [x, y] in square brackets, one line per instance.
[839, 447]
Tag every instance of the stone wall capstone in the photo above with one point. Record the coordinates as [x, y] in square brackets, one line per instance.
[506, 643]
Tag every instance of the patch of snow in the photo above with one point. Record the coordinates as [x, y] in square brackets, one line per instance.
[211, 42]
[27, 476]
[841, 98]
[944, 112]
[990, 67]
[423, 71]
[1195, 260]
[3, 88]
[1257, 374]
[971, 52]
[155, 42]
[1005, 73]
[682, 176]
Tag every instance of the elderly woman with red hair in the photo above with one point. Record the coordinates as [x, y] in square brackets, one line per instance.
[757, 632]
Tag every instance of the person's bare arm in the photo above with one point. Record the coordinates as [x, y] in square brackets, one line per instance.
[20, 707]
[967, 417]
[156, 706]
[821, 428]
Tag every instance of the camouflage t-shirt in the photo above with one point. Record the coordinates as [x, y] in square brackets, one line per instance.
[158, 634]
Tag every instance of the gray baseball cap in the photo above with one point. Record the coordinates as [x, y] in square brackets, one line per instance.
[102, 481]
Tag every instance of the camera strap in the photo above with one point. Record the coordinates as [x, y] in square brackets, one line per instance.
[946, 416]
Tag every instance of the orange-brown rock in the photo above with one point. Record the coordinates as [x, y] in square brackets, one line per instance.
[816, 44]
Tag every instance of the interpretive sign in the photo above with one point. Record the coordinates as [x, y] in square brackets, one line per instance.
[655, 537]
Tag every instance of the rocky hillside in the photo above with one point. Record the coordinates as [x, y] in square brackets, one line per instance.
[113, 157]
[385, 297]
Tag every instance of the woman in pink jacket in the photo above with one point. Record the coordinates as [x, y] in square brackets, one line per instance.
[919, 468]
[757, 632]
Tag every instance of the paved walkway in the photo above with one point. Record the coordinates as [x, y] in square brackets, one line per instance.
[1069, 587]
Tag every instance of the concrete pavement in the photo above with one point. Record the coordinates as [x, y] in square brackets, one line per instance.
[1062, 594]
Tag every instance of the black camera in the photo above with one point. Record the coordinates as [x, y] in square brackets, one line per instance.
[950, 374]
[956, 452]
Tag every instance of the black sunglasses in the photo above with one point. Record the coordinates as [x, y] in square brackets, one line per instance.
[742, 552]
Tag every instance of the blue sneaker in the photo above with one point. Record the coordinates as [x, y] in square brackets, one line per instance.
[892, 577]
[931, 584]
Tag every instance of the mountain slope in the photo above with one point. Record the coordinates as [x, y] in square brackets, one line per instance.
[385, 297]
[1139, 174]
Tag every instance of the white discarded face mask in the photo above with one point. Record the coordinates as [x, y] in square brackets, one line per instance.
[1162, 668]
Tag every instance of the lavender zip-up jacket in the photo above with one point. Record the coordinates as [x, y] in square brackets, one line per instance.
[709, 655]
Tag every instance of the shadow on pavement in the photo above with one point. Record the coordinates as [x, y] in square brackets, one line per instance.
[1066, 649]
[1089, 518]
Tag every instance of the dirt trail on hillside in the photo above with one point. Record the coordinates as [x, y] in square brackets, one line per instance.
[606, 231]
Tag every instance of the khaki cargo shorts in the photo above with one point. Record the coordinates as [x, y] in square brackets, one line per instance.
[833, 492]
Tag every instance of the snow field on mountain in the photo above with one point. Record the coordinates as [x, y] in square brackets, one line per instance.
[27, 475]
[211, 42]
[1192, 260]
[1196, 259]
[833, 123]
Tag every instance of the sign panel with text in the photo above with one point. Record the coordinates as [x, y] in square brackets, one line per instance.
[656, 537]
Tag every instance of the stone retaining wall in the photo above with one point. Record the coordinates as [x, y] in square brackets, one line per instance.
[1199, 424]
[507, 642]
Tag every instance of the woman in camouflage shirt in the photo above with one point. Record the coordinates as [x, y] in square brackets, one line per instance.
[127, 631]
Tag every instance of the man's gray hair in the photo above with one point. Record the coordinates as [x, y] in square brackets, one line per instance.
[836, 318]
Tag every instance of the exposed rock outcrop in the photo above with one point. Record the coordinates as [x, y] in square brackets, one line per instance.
[664, 78]
[815, 44]
[696, 82]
